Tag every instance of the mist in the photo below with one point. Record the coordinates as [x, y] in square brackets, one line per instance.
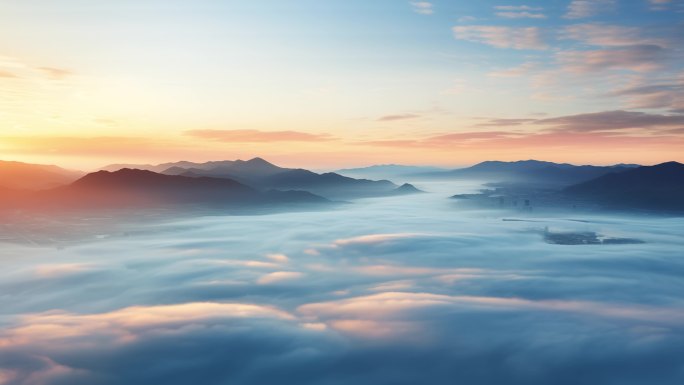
[393, 290]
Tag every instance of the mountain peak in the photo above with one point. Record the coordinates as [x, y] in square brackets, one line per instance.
[260, 161]
[407, 188]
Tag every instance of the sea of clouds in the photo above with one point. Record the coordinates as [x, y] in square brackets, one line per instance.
[402, 290]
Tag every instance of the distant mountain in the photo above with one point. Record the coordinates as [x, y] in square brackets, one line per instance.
[534, 172]
[129, 188]
[255, 165]
[26, 176]
[149, 167]
[152, 187]
[659, 187]
[406, 189]
[388, 171]
[246, 171]
[329, 185]
[264, 176]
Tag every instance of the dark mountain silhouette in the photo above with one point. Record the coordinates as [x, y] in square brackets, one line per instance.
[659, 187]
[533, 172]
[330, 185]
[266, 176]
[20, 176]
[169, 188]
[247, 171]
[129, 188]
[406, 189]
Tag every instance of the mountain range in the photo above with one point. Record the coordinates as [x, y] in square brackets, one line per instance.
[529, 172]
[659, 187]
[264, 175]
[256, 182]
[129, 188]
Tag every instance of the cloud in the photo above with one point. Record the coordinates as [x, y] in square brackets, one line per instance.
[505, 122]
[661, 5]
[255, 136]
[655, 95]
[279, 276]
[521, 38]
[129, 323]
[609, 35]
[55, 73]
[423, 7]
[209, 342]
[519, 12]
[7, 75]
[471, 137]
[621, 131]
[278, 258]
[521, 15]
[580, 9]
[612, 120]
[392, 118]
[391, 304]
[639, 58]
[403, 291]
[62, 269]
[517, 8]
[376, 239]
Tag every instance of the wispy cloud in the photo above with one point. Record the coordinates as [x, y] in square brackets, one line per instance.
[392, 118]
[255, 136]
[501, 122]
[660, 5]
[580, 9]
[609, 35]
[612, 120]
[55, 73]
[616, 129]
[669, 95]
[423, 7]
[519, 12]
[640, 58]
[7, 74]
[279, 276]
[522, 38]
[521, 15]
[517, 8]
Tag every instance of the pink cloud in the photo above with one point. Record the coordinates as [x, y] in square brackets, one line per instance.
[522, 38]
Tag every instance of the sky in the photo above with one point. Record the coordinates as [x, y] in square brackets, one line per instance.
[340, 83]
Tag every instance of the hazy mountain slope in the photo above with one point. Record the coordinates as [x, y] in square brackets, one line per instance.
[265, 176]
[388, 171]
[659, 187]
[18, 175]
[128, 188]
[531, 172]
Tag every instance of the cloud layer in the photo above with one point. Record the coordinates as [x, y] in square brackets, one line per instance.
[387, 291]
